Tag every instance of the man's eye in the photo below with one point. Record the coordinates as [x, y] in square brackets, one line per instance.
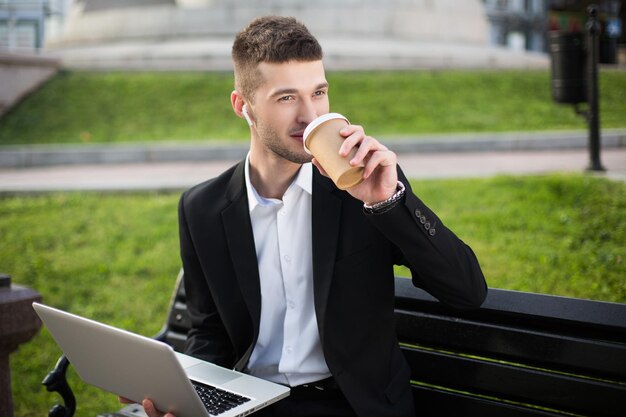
[286, 98]
[320, 93]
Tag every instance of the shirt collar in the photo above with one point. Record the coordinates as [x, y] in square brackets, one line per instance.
[302, 180]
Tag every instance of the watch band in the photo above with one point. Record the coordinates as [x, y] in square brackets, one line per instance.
[388, 204]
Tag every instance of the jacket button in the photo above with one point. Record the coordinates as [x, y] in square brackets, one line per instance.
[427, 226]
[422, 219]
[432, 232]
[418, 213]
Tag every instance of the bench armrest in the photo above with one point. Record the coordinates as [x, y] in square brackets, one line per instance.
[56, 380]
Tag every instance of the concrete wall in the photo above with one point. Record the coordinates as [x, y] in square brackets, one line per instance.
[428, 20]
[22, 74]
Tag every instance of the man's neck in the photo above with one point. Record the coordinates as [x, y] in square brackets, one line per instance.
[271, 175]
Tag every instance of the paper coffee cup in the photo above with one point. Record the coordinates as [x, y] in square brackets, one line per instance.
[321, 139]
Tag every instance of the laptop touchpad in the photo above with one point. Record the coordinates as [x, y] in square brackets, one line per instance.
[211, 374]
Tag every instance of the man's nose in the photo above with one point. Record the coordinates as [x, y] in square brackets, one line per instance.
[308, 112]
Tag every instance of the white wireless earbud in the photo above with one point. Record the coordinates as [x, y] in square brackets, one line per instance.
[244, 110]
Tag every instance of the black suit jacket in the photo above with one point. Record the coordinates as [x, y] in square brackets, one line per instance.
[353, 259]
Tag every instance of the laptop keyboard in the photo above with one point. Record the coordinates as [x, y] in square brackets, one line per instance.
[217, 401]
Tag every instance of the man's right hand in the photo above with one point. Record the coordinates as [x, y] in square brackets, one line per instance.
[148, 407]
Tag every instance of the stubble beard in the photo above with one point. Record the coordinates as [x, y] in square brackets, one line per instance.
[271, 139]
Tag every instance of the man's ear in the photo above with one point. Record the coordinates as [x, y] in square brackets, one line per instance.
[239, 106]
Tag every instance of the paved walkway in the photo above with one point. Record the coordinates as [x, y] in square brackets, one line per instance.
[176, 166]
[167, 176]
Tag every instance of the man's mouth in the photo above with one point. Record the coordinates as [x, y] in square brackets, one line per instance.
[297, 134]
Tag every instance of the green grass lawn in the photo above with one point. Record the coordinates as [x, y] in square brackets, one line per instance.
[77, 107]
[115, 257]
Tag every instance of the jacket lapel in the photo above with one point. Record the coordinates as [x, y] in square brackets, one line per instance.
[240, 241]
[326, 213]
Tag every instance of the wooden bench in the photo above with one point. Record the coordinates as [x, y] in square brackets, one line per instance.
[519, 355]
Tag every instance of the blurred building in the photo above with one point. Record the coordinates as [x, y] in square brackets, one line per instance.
[571, 16]
[514, 24]
[523, 24]
[24, 23]
[518, 24]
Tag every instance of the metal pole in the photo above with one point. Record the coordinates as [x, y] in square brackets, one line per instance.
[593, 119]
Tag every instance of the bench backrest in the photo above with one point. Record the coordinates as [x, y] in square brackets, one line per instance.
[520, 354]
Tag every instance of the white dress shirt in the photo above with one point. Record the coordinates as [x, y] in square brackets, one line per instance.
[288, 349]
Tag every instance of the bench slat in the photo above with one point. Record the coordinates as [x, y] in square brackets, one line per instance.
[568, 316]
[520, 384]
[433, 402]
[570, 354]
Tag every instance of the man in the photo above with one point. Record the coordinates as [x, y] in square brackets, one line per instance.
[291, 279]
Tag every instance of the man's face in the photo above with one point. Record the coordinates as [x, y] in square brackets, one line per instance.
[291, 96]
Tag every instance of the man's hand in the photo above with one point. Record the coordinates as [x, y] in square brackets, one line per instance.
[148, 407]
[380, 173]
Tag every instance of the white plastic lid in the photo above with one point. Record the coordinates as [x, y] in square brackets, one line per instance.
[318, 121]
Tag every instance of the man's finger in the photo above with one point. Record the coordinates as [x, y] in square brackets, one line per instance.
[150, 409]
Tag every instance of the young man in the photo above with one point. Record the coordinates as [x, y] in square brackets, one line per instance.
[291, 279]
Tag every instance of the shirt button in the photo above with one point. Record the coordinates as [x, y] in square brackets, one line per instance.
[288, 350]
[291, 305]
[287, 258]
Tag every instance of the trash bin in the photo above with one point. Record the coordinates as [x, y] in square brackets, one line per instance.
[567, 56]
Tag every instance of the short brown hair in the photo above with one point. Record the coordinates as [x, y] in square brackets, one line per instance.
[271, 39]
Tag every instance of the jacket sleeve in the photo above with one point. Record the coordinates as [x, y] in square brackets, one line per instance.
[440, 262]
[207, 338]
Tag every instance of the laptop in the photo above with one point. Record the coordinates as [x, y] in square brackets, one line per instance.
[137, 367]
